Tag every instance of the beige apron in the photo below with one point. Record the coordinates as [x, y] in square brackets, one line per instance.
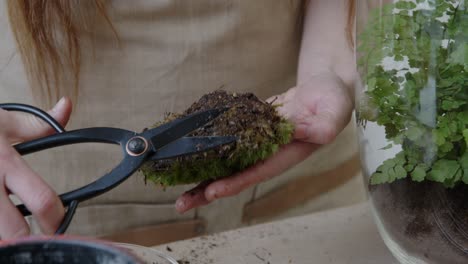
[171, 53]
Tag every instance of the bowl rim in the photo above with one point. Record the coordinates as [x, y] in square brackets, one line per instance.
[158, 252]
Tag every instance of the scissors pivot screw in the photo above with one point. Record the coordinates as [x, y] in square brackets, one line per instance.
[136, 146]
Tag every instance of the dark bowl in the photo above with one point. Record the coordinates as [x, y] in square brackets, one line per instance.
[62, 250]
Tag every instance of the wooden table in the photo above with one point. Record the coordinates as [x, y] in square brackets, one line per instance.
[345, 235]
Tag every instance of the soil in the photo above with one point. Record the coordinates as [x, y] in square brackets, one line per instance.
[427, 219]
[245, 111]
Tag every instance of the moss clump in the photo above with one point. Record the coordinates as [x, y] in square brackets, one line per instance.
[259, 128]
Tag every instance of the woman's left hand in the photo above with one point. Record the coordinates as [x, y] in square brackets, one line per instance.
[320, 108]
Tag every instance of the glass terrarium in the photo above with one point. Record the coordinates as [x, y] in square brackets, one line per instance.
[412, 115]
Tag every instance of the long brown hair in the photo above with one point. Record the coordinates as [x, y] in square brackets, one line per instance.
[49, 34]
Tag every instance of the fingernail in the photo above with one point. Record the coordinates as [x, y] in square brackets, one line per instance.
[58, 210]
[301, 132]
[211, 195]
[180, 205]
[59, 104]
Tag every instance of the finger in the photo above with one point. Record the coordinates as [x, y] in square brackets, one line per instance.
[288, 156]
[38, 197]
[21, 126]
[12, 223]
[192, 198]
[282, 99]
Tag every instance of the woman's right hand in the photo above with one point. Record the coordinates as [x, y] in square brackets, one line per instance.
[17, 178]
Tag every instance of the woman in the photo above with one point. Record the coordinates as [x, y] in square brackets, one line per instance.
[130, 62]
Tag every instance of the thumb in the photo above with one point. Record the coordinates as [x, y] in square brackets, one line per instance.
[22, 126]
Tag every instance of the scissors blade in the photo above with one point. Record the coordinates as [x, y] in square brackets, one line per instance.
[191, 145]
[167, 133]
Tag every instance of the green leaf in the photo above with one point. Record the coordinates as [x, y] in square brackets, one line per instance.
[463, 117]
[400, 172]
[400, 159]
[465, 136]
[413, 133]
[443, 169]
[439, 137]
[464, 165]
[409, 167]
[405, 5]
[446, 147]
[418, 174]
[371, 83]
[450, 183]
[389, 146]
[451, 105]
[460, 56]
[378, 178]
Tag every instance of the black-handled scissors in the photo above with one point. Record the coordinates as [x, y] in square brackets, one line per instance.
[163, 142]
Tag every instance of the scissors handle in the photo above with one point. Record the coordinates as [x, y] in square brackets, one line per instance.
[108, 135]
[34, 111]
[101, 135]
[105, 183]
[59, 129]
[97, 134]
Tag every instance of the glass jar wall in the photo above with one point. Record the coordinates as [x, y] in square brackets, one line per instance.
[412, 115]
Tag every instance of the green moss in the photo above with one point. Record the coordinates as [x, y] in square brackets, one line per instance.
[260, 131]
